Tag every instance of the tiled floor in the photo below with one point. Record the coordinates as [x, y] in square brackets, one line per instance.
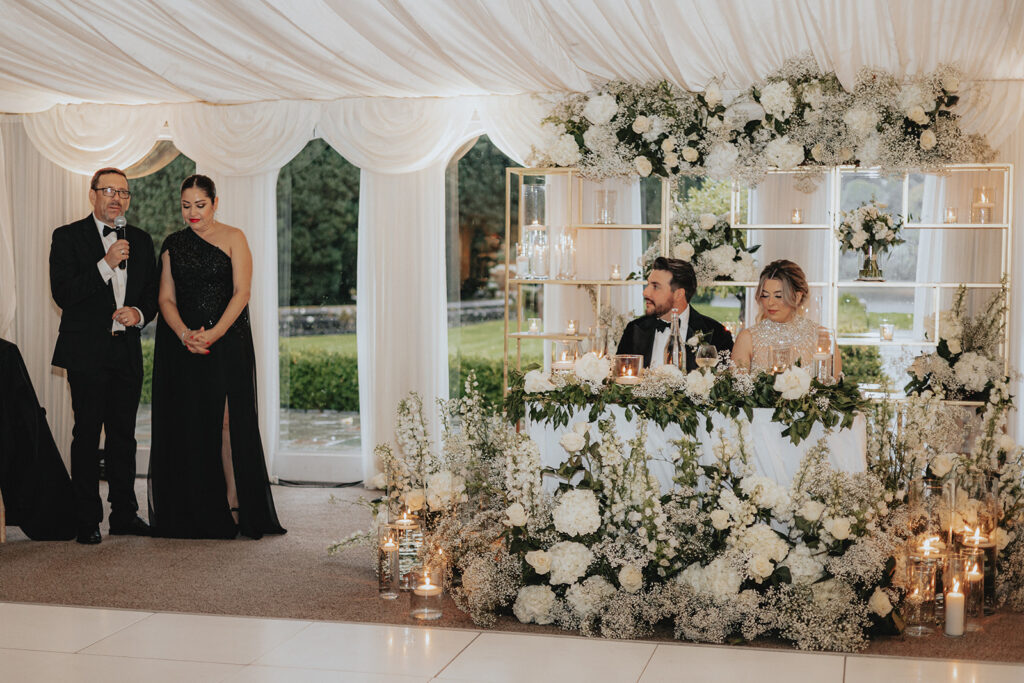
[49, 643]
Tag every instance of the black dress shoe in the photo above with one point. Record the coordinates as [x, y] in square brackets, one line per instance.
[135, 527]
[89, 535]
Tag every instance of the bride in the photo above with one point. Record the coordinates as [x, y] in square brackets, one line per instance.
[781, 292]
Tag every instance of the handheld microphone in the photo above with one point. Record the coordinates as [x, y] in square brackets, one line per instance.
[119, 225]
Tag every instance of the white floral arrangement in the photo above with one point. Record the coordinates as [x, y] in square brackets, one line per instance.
[716, 250]
[868, 228]
[796, 117]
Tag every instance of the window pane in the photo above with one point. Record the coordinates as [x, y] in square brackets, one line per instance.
[318, 215]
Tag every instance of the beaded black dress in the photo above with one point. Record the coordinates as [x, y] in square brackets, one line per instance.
[187, 488]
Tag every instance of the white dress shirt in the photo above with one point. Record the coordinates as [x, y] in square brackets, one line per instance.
[116, 276]
[661, 339]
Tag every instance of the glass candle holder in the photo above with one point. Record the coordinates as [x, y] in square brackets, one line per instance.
[538, 250]
[534, 325]
[779, 357]
[387, 562]
[974, 585]
[950, 215]
[931, 507]
[886, 330]
[572, 327]
[980, 542]
[983, 205]
[598, 340]
[534, 205]
[626, 368]
[920, 602]
[796, 217]
[522, 262]
[410, 544]
[604, 206]
[564, 353]
[616, 273]
[427, 596]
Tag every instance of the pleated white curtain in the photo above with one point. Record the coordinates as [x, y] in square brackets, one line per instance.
[8, 293]
[242, 148]
[402, 148]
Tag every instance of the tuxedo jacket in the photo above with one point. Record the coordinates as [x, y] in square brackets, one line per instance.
[87, 302]
[638, 337]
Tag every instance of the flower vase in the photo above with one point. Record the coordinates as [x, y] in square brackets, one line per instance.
[870, 270]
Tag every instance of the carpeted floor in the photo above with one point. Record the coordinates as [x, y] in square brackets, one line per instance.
[292, 576]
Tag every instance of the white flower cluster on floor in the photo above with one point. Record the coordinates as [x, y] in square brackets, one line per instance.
[726, 553]
[797, 117]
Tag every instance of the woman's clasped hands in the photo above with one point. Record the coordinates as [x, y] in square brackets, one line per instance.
[198, 341]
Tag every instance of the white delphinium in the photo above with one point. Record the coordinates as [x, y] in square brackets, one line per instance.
[589, 596]
[522, 470]
[784, 154]
[777, 100]
[600, 109]
[577, 513]
[537, 381]
[533, 604]
[569, 562]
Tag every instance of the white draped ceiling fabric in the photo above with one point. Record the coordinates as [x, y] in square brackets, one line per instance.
[395, 86]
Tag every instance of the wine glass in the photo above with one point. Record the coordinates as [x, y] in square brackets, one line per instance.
[779, 356]
[706, 355]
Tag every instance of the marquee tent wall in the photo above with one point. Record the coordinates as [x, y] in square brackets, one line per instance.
[396, 87]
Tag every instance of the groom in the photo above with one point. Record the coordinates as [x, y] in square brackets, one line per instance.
[670, 285]
[104, 280]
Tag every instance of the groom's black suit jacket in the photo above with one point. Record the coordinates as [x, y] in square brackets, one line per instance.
[638, 337]
[87, 302]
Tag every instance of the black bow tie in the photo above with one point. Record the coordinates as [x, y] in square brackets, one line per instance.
[661, 325]
[107, 230]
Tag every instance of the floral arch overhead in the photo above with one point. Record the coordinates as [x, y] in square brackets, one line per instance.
[796, 117]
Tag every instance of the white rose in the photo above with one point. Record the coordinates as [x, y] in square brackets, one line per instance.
[954, 346]
[708, 221]
[641, 124]
[811, 510]
[1003, 538]
[720, 519]
[879, 603]
[712, 95]
[631, 579]
[698, 384]
[928, 139]
[533, 604]
[590, 368]
[516, 515]
[600, 109]
[414, 499]
[839, 527]
[760, 567]
[950, 83]
[793, 383]
[941, 464]
[917, 114]
[690, 154]
[668, 145]
[643, 166]
[683, 250]
[572, 442]
[537, 381]
[671, 160]
[581, 428]
[540, 560]
[378, 481]
[818, 151]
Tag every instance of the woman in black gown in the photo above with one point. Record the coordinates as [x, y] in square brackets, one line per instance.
[207, 475]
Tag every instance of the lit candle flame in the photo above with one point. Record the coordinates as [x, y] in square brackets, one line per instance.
[976, 537]
[956, 585]
[975, 570]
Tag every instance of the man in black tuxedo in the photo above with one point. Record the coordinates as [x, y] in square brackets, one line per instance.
[670, 285]
[105, 282]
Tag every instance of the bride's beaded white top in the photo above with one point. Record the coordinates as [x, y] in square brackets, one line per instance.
[799, 334]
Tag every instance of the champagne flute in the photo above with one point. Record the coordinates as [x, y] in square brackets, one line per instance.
[706, 356]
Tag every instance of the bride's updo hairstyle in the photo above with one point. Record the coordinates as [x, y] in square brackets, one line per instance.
[201, 182]
[794, 284]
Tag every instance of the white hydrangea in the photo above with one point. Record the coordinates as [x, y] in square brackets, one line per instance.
[699, 384]
[861, 121]
[533, 604]
[721, 160]
[804, 567]
[973, 371]
[766, 493]
[537, 381]
[718, 579]
[444, 489]
[811, 510]
[838, 527]
[590, 595]
[914, 95]
[669, 374]
[569, 562]
[941, 464]
[777, 100]
[784, 154]
[761, 539]
[600, 109]
[813, 95]
[794, 383]
[591, 368]
[577, 513]
[565, 151]
[414, 499]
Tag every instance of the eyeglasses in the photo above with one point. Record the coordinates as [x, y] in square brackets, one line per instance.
[110, 192]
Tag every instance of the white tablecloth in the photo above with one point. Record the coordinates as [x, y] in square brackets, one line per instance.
[774, 455]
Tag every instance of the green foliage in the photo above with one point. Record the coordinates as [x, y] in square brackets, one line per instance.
[147, 372]
[317, 228]
[488, 378]
[156, 200]
[319, 380]
[862, 364]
